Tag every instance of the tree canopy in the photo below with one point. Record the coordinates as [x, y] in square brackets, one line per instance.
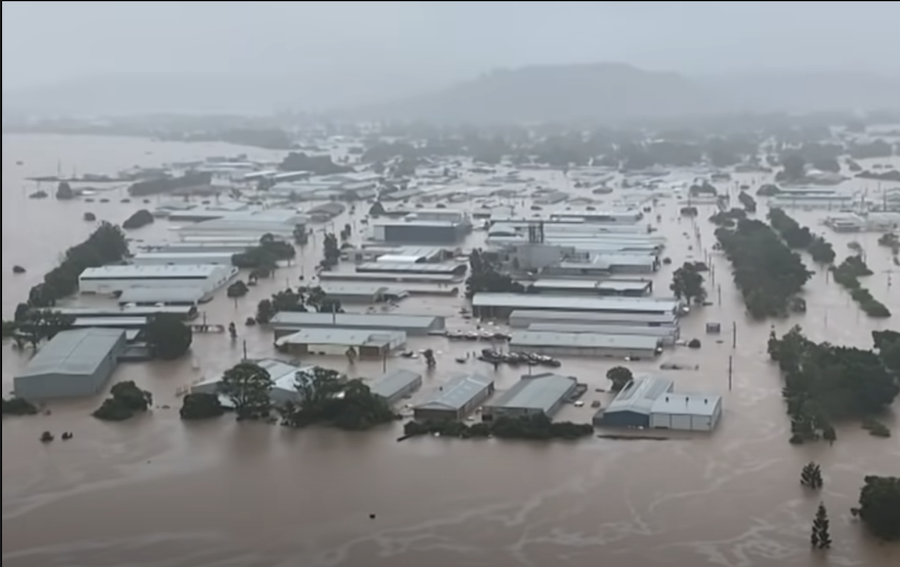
[769, 275]
[687, 283]
[485, 276]
[824, 384]
[265, 255]
[847, 274]
[534, 427]
[328, 398]
[879, 506]
[125, 400]
[248, 385]
[168, 337]
[200, 406]
[798, 237]
[620, 377]
[106, 245]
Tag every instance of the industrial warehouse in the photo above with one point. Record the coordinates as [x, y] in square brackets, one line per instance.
[288, 322]
[395, 385]
[633, 347]
[650, 402]
[365, 344]
[457, 399]
[501, 305]
[539, 394]
[117, 279]
[76, 363]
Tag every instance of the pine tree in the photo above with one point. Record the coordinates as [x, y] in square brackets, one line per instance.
[820, 538]
[811, 476]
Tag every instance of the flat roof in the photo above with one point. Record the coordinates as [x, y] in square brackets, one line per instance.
[361, 288]
[611, 285]
[288, 318]
[338, 336]
[582, 340]
[199, 271]
[539, 392]
[686, 404]
[458, 392]
[388, 384]
[667, 331]
[665, 319]
[161, 295]
[200, 256]
[418, 223]
[78, 351]
[388, 276]
[569, 303]
[112, 322]
[640, 395]
[409, 267]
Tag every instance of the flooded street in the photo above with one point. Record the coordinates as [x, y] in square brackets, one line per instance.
[157, 492]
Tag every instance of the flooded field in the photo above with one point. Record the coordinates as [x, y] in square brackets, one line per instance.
[158, 492]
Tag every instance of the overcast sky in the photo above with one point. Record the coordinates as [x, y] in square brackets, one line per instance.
[50, 41]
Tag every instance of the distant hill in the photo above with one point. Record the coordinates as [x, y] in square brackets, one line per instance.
[560, 93]
[607, 92]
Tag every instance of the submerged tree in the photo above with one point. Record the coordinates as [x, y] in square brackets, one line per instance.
[620, 377]
[430, 361]
[687, 283]
[248, 386]
[820, 538]
[811, 476]
[879, 507]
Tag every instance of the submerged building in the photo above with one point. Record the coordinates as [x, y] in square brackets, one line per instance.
[539, 394]
[457, 399]
[651, 402]
[76, 363]
[395, 385]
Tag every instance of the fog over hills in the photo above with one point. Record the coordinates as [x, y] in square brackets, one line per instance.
[603, 92]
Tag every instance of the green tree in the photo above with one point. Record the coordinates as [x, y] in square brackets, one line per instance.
[879, 506]
[811, 476]
[620, 377]
[820, 538]
[168, 337]
[326, 397]
[248, 386]
[200, 406]
[687, 283]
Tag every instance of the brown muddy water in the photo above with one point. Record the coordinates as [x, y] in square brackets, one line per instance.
[162, 493]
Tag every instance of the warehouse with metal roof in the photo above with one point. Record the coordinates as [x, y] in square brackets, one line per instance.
[361, 343]
[411, 268]
[503, 304]
[538, 394]
[633, 406]
[163, 296]
[394, 385]
[287, 322]
[456, 399]
[75, 363]
[633, 347]
[686, 412]
[667, 336]
[524, 318]
[362, 292]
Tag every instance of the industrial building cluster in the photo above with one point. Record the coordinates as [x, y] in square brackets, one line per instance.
[587, 281]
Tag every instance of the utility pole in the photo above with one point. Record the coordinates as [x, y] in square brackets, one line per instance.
[719, 292]
[245, 349]
[730, 371]
[734, 335]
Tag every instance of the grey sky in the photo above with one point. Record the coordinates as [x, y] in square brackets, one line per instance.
[49, 41]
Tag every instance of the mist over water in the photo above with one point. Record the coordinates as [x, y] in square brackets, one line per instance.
[156, 492]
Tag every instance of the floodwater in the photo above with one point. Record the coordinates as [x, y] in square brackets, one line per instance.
[158, 492]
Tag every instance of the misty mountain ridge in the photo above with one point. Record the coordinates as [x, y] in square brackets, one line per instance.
[537, 93]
